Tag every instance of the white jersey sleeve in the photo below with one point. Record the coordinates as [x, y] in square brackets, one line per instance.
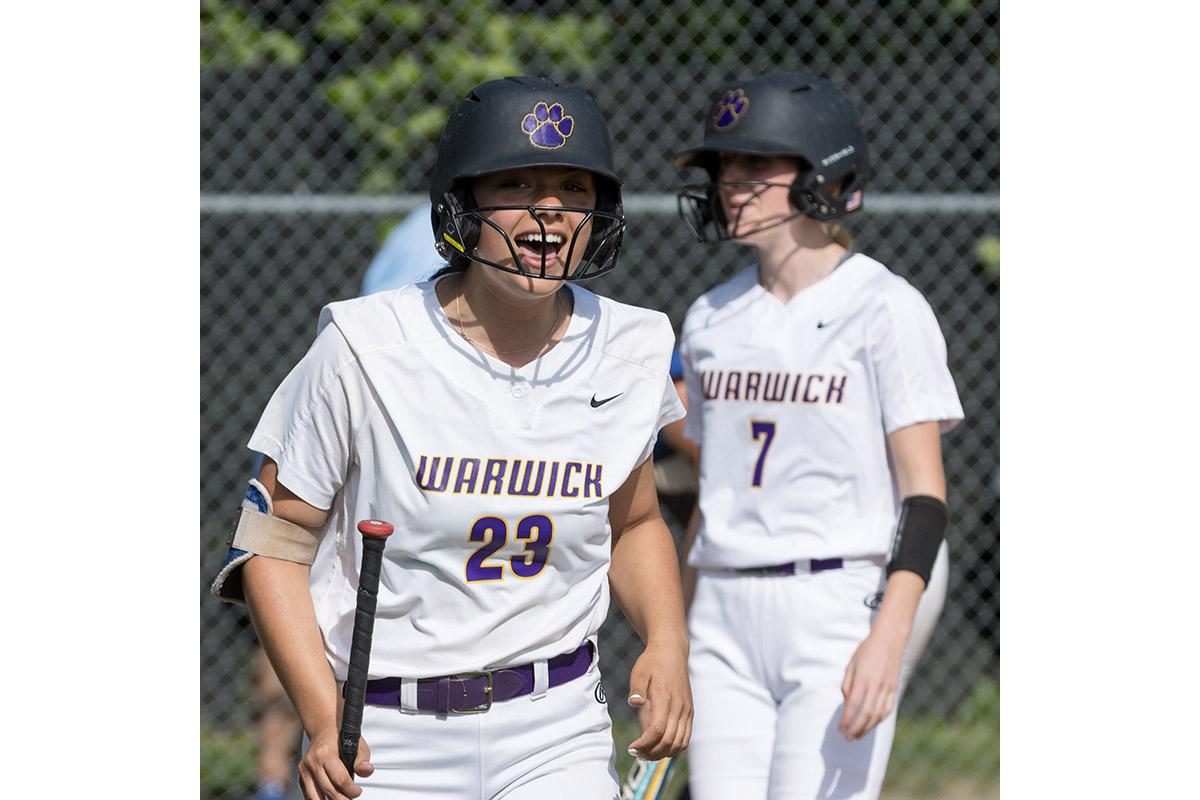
[909, 355]
[306, 426]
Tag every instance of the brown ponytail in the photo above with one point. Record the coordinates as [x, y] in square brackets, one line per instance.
[840, 235]
[834, 229]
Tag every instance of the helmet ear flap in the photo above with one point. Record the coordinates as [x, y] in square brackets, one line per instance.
[816, 198]
[802, 196]
[458, 230]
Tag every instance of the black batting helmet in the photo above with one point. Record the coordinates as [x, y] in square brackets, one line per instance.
[786, 114]
[523, 122]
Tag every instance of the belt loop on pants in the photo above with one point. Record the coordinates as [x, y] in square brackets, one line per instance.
[812, 566]
[541, 679]
[408, 694]
[468, 692]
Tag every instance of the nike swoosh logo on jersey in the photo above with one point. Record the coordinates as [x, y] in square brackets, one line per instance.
[826, 324]
[597, 403]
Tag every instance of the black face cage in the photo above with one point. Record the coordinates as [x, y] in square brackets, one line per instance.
[695, 209]
[701, 210]
[464, 223]
[700, 207]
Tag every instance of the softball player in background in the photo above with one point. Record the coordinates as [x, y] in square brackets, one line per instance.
[502, 421]
[818, 390]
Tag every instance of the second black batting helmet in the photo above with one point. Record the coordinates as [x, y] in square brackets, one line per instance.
[522, 122]
[785, 114]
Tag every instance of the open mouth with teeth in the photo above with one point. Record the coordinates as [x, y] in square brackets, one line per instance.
[530, 248]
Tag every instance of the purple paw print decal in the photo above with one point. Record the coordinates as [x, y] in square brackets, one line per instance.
[730, 109]
[548, 127]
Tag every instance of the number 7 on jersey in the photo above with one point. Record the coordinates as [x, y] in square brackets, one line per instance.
[761, 429]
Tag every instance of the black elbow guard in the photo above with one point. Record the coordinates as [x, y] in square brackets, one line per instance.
[919, 534]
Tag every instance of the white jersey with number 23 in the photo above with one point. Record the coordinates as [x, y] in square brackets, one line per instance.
[497, 479]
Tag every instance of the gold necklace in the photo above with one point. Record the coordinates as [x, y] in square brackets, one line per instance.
[463, 333]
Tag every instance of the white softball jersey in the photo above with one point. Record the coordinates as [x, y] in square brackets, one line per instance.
[793, 404]
[496, 479]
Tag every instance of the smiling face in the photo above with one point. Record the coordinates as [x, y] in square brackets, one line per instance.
[754, 190]
[548, 240]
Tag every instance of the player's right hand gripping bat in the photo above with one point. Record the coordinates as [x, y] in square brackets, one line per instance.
[648, 780]
[374, 534]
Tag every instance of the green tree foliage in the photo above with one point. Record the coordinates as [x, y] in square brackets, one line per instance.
[230, 38]
[412, 61]
[394, 68]
[419, 58]
[987, 250]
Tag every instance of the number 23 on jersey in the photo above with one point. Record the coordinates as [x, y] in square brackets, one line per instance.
[536, 530]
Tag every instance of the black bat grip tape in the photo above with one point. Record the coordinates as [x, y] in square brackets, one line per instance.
[360, 651]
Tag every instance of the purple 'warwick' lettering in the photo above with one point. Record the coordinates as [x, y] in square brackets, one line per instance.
[525, 489]
[468, 474]
[774, 391]
[836, 384]
[811, 378]
[753, 379]
[493, 476]
[711, 383]
[426, 480]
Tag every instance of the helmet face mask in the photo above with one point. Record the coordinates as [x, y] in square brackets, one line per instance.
[525, 122]
[598, 255]
[789, 114]
[704, 213]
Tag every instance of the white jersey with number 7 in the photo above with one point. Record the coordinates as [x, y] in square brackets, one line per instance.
[793, 403]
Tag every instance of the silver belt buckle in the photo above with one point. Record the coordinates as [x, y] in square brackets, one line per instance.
[488, 692]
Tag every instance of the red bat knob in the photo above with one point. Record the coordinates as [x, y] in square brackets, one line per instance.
[374, 528]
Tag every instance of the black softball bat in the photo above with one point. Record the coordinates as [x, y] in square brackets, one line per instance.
[374, 534]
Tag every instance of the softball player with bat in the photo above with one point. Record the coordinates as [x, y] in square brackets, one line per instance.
[818, 391]
[502, 421]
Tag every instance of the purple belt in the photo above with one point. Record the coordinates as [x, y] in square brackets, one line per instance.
[476, 691]
[814, 566]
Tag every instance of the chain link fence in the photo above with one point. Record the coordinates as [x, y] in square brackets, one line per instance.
[318, 127]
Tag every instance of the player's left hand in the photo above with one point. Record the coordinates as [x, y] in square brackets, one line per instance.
[662, 693]
[871, 683]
